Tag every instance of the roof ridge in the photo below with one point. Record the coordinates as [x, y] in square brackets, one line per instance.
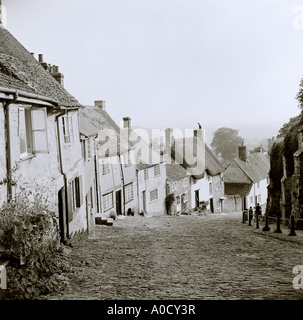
[248, 176]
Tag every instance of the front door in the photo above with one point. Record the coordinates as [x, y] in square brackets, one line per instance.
[197, 198]
[144, 201]
[178, 204]
[118, 202]
[89, 199]
[211, 205]
[62, 215]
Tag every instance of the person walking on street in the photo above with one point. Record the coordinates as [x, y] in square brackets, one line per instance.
[250, 213]
[258, 211]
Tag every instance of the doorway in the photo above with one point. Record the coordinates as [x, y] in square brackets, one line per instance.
[197, 198]
[144, 201]
[118, 203]
[211, 201]
[63, 227]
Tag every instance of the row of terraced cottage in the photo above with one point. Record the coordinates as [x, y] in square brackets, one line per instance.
[51, 141]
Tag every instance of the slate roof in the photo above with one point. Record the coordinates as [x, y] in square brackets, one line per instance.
[142, 166]
[19, 70]
[86, 127]
[255, 169]
[101, 120]
[175, 172]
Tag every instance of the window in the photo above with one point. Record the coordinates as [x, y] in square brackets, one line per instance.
[154, 195]
[129, 192]
[127, 159]
[251, 199]
[24, 131]
[90, 148]
[105, 167]
[210, 188]
[108, 201]
[185, 182]
[259, 198]
[156, 171]
[174, 186]
[145, 174]
[83, 150]
[258, 185]
[32, 131]
[67, 129]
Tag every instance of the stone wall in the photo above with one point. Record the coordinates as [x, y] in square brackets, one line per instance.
[232, 204]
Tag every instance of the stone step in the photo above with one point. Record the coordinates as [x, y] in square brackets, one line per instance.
[104, 221]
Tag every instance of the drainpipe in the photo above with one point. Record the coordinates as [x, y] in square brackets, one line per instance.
[97, 181]
[7, 146]
[123, 184]
[66, 234]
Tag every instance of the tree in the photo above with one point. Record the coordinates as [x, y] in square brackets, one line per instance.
[294, 121]
[225, 143]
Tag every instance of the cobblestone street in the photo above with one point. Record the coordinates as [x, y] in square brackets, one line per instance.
[184, 257]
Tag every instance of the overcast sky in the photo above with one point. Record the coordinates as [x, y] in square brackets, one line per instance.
[171, 63]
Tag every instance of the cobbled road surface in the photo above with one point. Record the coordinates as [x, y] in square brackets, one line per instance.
[190, 257]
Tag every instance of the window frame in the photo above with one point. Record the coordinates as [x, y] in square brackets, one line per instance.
[146, 177]
[104, 200]
[67, 127]
[151, 195]
[157, 171]
[129, 195]
[30, 128]
[105, 167]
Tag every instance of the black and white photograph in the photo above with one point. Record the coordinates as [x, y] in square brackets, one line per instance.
[151, 153]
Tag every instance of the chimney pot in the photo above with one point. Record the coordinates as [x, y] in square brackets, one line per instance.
[100, 104]
[40, 58]
[55, 69]
[242, 152]
[127, 122]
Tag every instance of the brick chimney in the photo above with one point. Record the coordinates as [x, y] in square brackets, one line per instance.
[57, 75]
[53, 70]
[127, 122]
[100, 104]
[242, 152]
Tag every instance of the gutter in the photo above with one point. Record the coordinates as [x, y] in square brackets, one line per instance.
[28, 95]
[32, 98]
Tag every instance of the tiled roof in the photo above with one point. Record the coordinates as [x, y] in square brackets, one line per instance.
[102, 120]
[142, 166]
[175, 172]
[19, 70]
[86, 127]
[255, 169]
